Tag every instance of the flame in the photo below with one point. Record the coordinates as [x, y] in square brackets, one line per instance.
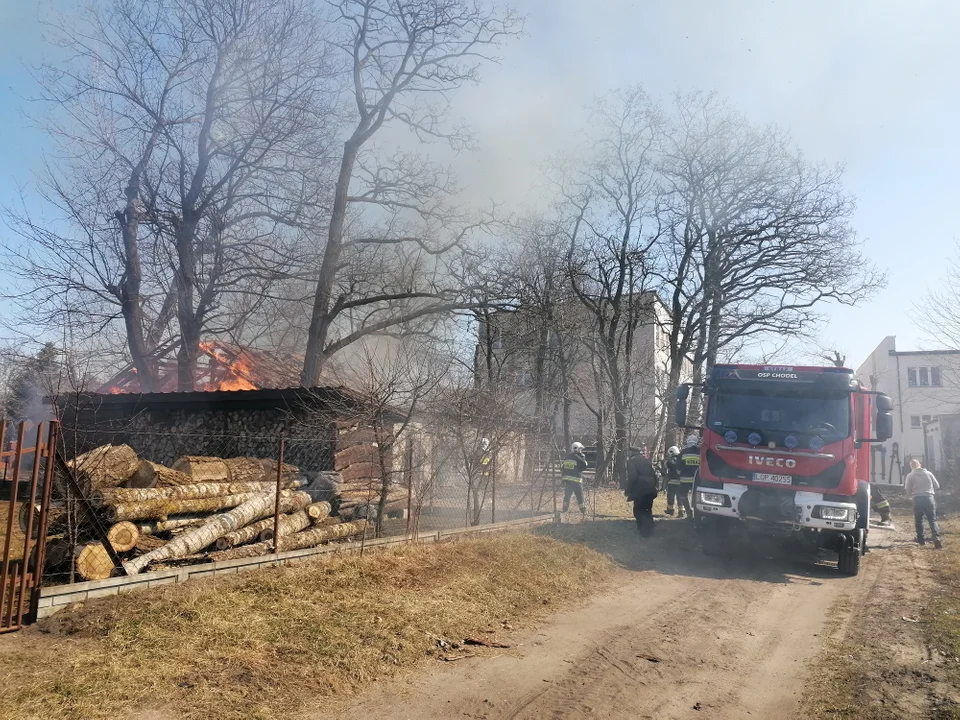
[235, 371]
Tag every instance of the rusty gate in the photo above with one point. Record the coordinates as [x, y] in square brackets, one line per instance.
[26, 479]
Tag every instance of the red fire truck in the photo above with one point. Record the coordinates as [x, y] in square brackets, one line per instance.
[785, 452]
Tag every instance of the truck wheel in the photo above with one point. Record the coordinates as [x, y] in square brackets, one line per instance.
[713, 539]
[850, 555]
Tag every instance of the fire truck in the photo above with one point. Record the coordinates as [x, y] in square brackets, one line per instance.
[785, 453]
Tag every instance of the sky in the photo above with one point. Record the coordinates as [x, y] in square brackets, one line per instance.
[871, 84]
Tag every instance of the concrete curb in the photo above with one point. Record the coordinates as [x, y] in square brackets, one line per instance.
[57, 597]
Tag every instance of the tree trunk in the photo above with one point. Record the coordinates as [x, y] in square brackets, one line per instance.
[196, 491]
[198, 538]
[56, 517]
[203, 469]
[162, 509]
[150, 474]
[298, 541]
[320, 319]
[289, 524]
[171, 523]
[123, 536]
[244, 469]
[104, 467]
[314, 512]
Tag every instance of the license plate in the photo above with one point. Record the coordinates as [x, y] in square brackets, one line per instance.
[768, 478]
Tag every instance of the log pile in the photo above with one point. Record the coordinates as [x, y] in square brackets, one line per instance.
[194, 511]
[361, 467]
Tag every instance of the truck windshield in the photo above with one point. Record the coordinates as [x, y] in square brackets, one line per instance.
[806, 413]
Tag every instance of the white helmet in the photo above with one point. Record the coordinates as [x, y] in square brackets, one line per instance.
[576, 447]
[692, 440]
[673, 451]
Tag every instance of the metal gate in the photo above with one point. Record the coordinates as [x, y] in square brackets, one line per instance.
[26, 477]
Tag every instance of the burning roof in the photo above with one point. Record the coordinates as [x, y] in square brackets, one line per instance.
[221, 366]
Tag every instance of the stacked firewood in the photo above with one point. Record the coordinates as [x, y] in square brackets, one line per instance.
[361, 468]
[200, 509]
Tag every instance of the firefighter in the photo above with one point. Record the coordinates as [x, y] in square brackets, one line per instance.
[673, 477]
[572, 476]
[485, 458]
[687, 466]
[642, 486]
[881, 504]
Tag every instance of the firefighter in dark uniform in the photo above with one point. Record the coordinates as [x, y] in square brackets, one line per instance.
[572, 476]
[642, 486]
[687, 466]
[880, 504]
[673, 477]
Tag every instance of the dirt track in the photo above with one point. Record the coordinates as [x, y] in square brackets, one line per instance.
[678, 635]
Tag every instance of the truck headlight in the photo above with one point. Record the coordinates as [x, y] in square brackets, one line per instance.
[832, 513]
[708, 498]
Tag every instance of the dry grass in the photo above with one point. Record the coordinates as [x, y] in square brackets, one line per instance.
[16, 544]
[943, 627]
[267, 643]
[869, 670]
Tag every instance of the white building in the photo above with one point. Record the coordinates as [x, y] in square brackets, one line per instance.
[923, 385]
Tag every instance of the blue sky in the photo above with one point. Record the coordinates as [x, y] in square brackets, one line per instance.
[872, 84]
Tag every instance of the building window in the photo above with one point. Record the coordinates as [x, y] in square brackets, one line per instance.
[927, 418]
[915, 421]
[923, 377]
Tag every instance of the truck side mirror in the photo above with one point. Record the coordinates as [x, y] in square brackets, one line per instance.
[884, 420]
[680, 414]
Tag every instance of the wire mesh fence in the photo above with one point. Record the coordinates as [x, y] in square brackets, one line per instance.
[129, 500]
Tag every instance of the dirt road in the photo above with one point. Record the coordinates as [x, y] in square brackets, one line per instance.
[678, 635]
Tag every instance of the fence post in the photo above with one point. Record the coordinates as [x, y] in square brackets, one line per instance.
[408, 461]
[493, 488]
[276, 501]
[553, 477]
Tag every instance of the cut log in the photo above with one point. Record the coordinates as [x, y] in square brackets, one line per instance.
[366, 452]
[194, 491]
[203, 469]
[350, 436]
[196, 539]
[243, 469]
[315, 536]
[298, 541]
[150, 474]
[105, 466]
[56, 517]
[287, 472]
[149, 543]
[161, 509]
[361, 471]
[59, 553]
[176, 522]
[251, 532]
[318, 511]
[288, 525]
[123, 536]
[93, 562]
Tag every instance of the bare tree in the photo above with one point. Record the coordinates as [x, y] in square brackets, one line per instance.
[760, 238]
[405, 58]
[192, 139]
[613, 228]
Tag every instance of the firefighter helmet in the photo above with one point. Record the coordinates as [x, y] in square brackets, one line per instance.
[673, 451]
[692, 440]
[576, 447]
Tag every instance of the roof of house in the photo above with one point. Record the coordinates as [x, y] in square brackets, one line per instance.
[221, 366]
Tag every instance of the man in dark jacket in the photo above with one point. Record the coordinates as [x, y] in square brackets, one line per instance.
[642, 487]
